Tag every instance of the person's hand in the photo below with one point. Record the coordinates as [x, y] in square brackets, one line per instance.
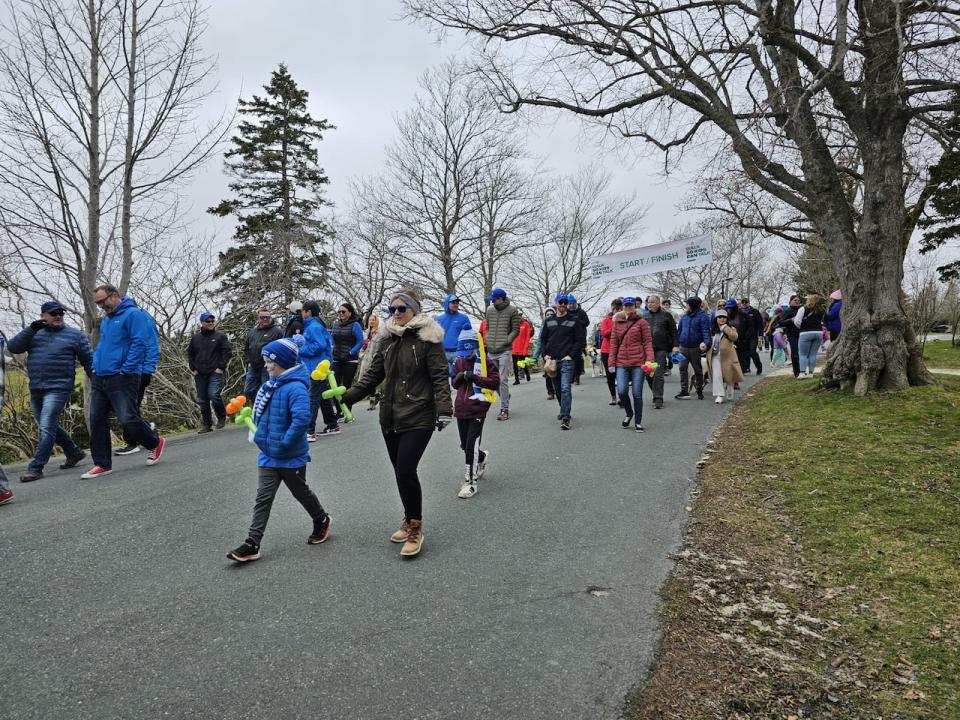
[703, 347]
[469, 376]
[443, 421]
[38, 325]
[612, 369]
[193, 372]
[218, 371]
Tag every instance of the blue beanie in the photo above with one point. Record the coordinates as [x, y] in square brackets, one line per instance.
[467, 343]
[571, 298]
[284, 352]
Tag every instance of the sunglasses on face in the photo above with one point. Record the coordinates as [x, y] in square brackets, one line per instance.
[399, 309]
[265, 317]
[207, 322]
[57, 313]
[563, 302]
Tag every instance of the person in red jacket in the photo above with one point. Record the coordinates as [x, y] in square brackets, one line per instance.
[606, 327]
[631, 345]
[471, 406]
[521, 348]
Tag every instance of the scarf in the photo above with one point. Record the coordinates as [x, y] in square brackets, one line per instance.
[263, 398]
[716, 342]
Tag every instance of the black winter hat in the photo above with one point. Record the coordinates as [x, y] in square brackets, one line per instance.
[694, 302]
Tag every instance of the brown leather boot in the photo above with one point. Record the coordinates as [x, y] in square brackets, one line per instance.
[414, 539]
[400, 536]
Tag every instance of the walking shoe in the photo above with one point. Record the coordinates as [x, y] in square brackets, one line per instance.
[482, 465]
[626, 422]
[682, 395]
[400, 536]
[204, 429]
[504, 415]
[414, 541]
[95, 472]
[467, 490]
[658, 404]
[719, 400]
[564, 424]
[550, 396]
[638, 428]
[245, 553]
[31, 475]
[127, 450]
[154, 457]
[516, 382]
[311, 437]
[747, 371]
[327, 432]
[6, 496]
[320, 534]
[613, 401]
[221, 423]
[72, 460]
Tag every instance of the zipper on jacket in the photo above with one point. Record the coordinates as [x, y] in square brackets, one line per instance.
[416, 360]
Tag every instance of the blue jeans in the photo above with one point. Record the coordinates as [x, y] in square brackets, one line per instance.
[117, 394]
[4, 483]
[208, 393]
[251, 386]
[808, 346]
[635, 377]
[47, 407]
[563, 387]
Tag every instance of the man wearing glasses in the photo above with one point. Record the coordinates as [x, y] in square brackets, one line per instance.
[54, 351]
[207, 356]
[262, 334]
[126, 337]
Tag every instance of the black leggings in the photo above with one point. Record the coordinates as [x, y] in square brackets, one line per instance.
[405, 450]
[344, 372]
[518, 370]
[470, 433]
[611, 378]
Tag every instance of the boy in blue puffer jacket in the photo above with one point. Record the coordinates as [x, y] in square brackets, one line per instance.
[281, 413]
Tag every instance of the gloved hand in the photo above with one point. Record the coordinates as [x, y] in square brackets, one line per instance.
[458, 378]
[38, 325]
[469, 377]
[443, 421]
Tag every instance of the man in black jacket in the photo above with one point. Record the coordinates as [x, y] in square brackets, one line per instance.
[663, 331]
[562, 337]
[753, 327]
[792, 332]
[264, 332]
[208, 354]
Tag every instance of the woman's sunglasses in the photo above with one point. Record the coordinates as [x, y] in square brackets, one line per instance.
[400, 309]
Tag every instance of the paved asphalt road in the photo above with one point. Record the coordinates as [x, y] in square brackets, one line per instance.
[116, 600]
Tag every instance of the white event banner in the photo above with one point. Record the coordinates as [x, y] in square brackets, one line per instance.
[672, 255]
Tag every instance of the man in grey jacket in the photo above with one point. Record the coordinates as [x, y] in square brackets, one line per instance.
[503, 326]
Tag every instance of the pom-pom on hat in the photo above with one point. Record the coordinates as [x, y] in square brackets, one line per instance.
[467, 343]
[284, 352]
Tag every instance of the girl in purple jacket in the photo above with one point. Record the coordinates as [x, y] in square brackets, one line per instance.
[471, 406]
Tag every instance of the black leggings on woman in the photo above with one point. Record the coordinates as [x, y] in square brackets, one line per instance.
[405, 450]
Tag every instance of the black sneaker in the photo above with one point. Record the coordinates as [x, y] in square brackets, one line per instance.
[127, 450]
[320, 534]
[329, 431]
[72, 460]
[564, 424]
[638, 428]
[658, 404]
[682, 395]
[614, 402]
[245, 553]
[31, 475]
[205, 429]
[626, 422]
[221, 423]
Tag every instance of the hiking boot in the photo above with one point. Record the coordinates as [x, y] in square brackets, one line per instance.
[414, 542]
[205, 429]
[482, 465]
[245, 553]
[221, 423]
[72, 460]
[95, 472]
[129, 449]
[682, 395]
[154, 457]
[626, 422]
[400, 536]
[6, 496]
[504, 415]
[31, 475]
[320, 533]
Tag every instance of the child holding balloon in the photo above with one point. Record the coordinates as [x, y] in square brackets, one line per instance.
[280, 418]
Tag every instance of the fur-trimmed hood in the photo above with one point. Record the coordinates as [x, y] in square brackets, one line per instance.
[427, 328]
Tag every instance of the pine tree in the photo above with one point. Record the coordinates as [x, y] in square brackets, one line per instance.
[278, 191]
[945, 199]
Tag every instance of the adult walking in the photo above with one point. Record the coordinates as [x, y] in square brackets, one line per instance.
[538, 352]
[832, 319]
[520, 349]
[347, 335]
[631, 345]
[53, 352]
[317, 347]
[693, 337]
[663, 331]
[411, 364]
[264, 332]
[453, 323]
[147, 370]
[579, 314]
[503, 326]
[563, 335]
[792, 331]
[126, 337]
[294, 324]
[725, 371]
[809, 321]
[606, 327]
[753, 329]
[208, 353]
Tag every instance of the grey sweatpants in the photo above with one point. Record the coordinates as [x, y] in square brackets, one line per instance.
[503, 360]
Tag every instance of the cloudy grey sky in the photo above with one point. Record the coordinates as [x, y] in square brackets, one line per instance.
[360, 61]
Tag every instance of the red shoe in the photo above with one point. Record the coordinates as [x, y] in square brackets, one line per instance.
[154, 457]
[6, 497]
[97, 471]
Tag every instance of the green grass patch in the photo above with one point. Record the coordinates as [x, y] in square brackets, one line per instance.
[941, 354]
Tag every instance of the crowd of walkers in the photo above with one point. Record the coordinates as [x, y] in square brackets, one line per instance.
[420, 371]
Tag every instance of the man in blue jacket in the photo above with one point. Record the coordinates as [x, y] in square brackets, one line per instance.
[147, 370]
[693, 337]
[453, 322]
[127, 335]
[53, 352]
[317, 347]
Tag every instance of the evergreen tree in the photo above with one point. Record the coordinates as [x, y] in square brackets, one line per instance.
[278, 256]
[944, 221]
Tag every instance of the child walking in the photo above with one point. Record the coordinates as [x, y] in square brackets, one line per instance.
[281, 413]
[780, 347]
[470, 408]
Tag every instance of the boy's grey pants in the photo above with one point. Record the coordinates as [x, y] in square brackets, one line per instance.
[268, 483]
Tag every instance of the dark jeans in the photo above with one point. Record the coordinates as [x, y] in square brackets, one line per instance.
[549, 383]
[209, 387]
[405, 450]
[251, 385]
[47, 406]
[611, 378]
[631, 376]
[517, 370]
[747, 351]
[116, 394]
[563, 383]
[470, 434]
[794, 341]
[656, 382]
[691, 356]
[142, 390]
[318, 402]
[268, 482]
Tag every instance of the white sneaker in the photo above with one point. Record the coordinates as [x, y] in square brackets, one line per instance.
[802, 376]
[467, 490]
[719, 400]
[311, 437]
[482, 465]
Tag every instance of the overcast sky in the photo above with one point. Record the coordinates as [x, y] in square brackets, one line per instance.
[360, 63]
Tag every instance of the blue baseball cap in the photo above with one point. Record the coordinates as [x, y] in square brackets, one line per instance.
[629, 300]
[204, 316]
[497, 294]
[571, 298]
[562, 297]
[51, 306]
[730, 303]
